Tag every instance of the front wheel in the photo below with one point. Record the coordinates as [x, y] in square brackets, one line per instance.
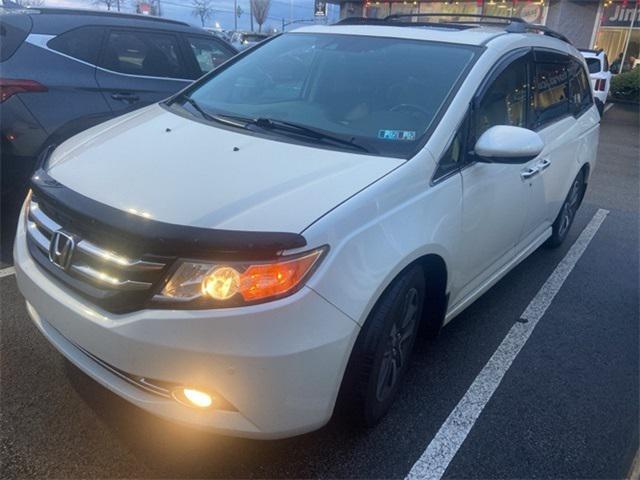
[381, 355]
[565, 218]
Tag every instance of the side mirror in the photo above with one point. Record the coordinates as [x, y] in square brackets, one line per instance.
[507, 144]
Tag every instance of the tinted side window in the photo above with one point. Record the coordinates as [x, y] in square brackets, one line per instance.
[209, 53]
[13, 30]
[606, 63]
[505, 101]
[81, 43]
[143, 53]
[550, 93]
[579, 88]
[593, 64]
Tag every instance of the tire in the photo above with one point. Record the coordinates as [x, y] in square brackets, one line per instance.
[564, 220]
[383, 349]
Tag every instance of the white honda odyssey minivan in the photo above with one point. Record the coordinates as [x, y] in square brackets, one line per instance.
[267, 244]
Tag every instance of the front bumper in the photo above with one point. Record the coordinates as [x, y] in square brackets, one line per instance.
[280, 364]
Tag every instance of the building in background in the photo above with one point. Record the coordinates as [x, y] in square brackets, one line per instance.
[618, 31]
[609, 24]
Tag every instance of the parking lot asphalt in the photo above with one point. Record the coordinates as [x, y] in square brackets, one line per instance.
[568, 406]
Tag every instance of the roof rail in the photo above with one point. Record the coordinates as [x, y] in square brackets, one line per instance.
[457, 15]
[361, 21]
[383, 21]
[531, 28]
[102, 13]
[510, 24]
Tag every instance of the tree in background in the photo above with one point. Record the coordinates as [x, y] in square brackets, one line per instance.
[203, 9]
[260, 11]
[107, 3]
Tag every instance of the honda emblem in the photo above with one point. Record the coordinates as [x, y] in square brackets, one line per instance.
[61, 249]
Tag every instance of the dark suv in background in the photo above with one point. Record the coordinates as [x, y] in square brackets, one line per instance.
[63, 71]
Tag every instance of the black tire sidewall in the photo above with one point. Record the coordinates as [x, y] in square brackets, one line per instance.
[364, 366]
[557, 238]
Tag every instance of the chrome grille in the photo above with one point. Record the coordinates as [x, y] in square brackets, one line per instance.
[88, 262]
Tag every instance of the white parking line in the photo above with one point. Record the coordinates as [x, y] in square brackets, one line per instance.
[5, 272]
[439, 453]
[608, 107]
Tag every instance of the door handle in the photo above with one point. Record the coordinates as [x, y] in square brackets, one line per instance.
[543, 164]
[529, 172]
[125, 97]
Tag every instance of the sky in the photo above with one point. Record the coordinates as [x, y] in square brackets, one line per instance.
[182, 10]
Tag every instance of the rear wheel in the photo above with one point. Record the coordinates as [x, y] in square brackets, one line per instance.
[565, 218]
[381, 355]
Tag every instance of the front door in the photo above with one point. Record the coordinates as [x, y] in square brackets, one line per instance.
[495, 196]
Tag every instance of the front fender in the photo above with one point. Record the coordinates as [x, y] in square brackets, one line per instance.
[380, 231]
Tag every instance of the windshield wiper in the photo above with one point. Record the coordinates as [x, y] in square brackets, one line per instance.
[196, 106]
[214, 117]
[280, 125]
[293, 128]
[308, 132]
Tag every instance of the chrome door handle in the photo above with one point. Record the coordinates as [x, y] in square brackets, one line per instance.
[529, 172]
[125, 97]
[543, 164]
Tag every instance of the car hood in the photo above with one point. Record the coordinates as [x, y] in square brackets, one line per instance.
[173, 169]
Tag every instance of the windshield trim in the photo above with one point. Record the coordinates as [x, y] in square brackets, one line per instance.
[476, 50]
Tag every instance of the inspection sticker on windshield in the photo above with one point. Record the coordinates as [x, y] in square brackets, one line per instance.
[397, 135]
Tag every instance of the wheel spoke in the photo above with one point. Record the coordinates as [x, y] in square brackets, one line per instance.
[575, 195]
[385, 368]
[410, 308]
[393, 374]
[394, 358]
[407, 333]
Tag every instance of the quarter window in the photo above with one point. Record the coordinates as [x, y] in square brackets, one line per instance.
[82, 43]
[454, 156]
[143, 53]
[505, 101]
[551, 96]
[209, 53]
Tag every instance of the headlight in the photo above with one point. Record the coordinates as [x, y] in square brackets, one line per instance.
[211, 284]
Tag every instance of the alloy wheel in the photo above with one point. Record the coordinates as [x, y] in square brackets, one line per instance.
[398, 346]
[570, 207]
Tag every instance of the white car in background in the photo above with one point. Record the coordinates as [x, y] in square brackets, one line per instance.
[598, 65]
[266, 244]
[244, 40]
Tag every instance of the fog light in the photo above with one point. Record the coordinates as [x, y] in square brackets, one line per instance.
[193, 397]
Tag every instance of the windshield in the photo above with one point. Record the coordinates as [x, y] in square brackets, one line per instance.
[382, 93]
